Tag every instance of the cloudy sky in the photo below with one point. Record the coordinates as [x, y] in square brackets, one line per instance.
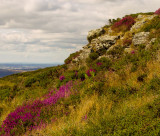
[47, 31]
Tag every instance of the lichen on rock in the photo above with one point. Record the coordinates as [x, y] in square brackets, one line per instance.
[140, 38]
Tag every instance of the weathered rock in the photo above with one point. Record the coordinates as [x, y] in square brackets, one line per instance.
[87, 46]
[140, 21]
[140, 38]
[104, 42]
[128, 50]
[95, 33]
[84, 54]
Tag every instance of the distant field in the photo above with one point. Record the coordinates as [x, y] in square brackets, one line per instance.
[9, 69]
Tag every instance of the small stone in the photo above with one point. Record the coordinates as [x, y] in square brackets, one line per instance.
[128, 50]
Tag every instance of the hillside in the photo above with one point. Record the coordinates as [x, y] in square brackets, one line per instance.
[110, 87]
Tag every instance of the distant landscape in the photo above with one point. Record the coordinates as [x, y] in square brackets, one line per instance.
[9, 69]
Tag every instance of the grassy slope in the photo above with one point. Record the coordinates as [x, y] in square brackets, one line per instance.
[120, 98]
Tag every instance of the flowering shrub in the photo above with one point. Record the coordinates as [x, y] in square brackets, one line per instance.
[61, 78]
[124, 24]
[90, 72]
[76, 74]
[31, 115]
[133, 52]
[127, 42]
[99, 63]
[157, 12]
[84, 118]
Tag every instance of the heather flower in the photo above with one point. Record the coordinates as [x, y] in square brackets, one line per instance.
[76, 73]
[32, 115]
[61, 78]
[99, 63]
[90, 72]
[84, 117]
[133, 52]
[82, 78]
[125, 23]
[157, 12]
[127, 42]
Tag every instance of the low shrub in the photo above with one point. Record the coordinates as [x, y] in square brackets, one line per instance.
[124, 24]
[81, 75]
[1, 110]
[30, 81]
[5, 92]
[92, 57]
[136, 15]
[117, 51]
[127, 42]
[154, 84]
[152, 24]
[113, 21]
[141, 77]
[157, 11]
[103, 64]
[90, 72]
[62, 78]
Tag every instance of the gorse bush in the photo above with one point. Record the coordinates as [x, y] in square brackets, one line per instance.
[124, 24]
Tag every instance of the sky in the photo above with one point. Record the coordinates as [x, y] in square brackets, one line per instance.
[47, 31]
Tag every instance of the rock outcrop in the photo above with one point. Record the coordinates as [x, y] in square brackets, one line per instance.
[103, 42]
[85, 53]
[140, 38]
[95, 33]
